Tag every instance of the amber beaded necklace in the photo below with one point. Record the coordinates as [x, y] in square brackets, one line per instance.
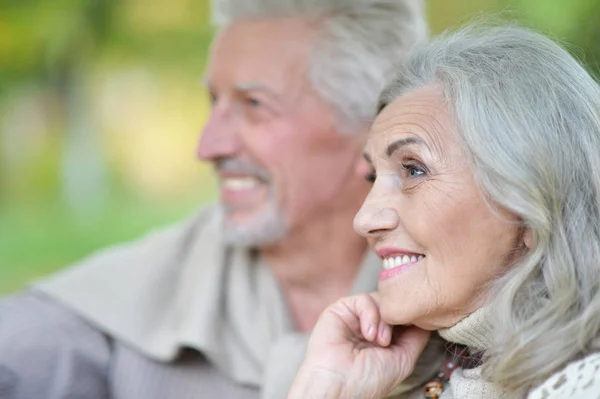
[458, 356]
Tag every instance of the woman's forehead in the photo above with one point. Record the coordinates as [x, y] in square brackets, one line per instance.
[421, 112]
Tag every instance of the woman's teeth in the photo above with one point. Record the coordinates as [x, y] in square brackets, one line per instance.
[391, 262]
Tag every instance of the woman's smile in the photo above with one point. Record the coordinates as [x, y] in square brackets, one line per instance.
[396, 260]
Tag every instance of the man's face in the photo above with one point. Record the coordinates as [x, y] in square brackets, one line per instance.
[280, 160]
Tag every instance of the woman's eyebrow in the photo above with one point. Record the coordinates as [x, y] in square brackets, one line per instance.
[393, 147]
[367, 158]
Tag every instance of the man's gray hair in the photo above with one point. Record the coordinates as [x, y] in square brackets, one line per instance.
[354, 49]
[529, 116]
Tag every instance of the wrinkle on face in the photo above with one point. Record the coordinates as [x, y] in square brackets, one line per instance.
[442, 213]
[417, 118]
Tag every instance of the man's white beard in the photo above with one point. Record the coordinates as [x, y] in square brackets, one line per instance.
[267, 227]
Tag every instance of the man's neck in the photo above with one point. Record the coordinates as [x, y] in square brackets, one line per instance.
[316, 266]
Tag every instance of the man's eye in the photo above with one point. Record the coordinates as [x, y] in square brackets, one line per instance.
[213, 98]
[371, 177]
[253, 102]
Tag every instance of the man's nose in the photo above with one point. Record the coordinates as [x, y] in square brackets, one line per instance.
[219, 138]
[375, 218]
[362, 168]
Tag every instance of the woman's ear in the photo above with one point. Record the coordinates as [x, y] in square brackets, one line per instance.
[528, 238]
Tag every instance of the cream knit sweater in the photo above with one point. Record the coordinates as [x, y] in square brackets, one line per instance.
[580, 379]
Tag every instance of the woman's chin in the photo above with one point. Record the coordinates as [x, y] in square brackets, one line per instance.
[392, 314]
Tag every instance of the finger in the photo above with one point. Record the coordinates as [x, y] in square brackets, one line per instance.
[376, 297]
[411, 342]
[384, 330]
[384, 336]
[359, 314]
[368, 313]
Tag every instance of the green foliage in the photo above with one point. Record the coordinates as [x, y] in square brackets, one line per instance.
[42, 39]
[36, 240]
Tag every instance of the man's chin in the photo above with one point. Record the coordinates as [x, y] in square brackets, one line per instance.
[239, 217]
[252, 229]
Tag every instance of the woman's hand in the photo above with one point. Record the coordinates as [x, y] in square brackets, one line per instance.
[352, 353]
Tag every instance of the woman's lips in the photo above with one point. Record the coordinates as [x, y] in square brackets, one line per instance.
[396, 260]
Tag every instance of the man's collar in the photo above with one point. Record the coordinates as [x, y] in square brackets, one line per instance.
[183, 288]
[147, 293]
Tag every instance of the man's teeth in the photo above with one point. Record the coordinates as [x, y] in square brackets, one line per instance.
[390, 263]
[240, 183]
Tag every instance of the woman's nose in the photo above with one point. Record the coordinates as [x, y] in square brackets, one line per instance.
[373, 219]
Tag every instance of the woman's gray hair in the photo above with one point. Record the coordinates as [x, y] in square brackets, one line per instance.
[354, 49]
[529, 115]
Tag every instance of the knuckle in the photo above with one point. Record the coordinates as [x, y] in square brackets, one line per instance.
[363, 298]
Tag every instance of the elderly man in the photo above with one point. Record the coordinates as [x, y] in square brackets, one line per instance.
[218, 306]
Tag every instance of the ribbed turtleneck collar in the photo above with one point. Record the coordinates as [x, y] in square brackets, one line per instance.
[474, 331]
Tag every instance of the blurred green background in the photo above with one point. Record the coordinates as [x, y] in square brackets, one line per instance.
[101, 105]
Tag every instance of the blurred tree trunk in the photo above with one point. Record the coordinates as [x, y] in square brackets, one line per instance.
[84, 170]
[84, 175]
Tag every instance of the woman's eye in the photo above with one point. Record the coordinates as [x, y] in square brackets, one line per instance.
[371, 177]
[413, 170]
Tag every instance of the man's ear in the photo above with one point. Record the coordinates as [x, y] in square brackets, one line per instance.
[528, 237]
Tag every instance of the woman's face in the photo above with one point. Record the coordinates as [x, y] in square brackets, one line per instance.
[439, 240]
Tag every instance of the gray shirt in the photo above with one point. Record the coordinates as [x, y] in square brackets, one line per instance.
[47, 352]
[177, 314]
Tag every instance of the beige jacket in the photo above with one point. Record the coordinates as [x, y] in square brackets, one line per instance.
[182, 288]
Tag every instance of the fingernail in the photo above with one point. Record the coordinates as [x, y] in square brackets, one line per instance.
[385, 335]
[371, 333]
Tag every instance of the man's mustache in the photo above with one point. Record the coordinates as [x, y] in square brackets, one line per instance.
[242, 167]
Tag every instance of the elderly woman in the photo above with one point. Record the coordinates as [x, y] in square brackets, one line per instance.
[485, 211]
